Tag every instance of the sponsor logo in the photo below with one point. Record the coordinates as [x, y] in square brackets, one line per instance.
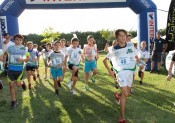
[70, 1]
[151, 27]
[129, 51]
[8, 4]
[145, 3]
[3, 24]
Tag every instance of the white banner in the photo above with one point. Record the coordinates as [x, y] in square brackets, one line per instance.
[3, 24]
[70, 1]
[151, 28]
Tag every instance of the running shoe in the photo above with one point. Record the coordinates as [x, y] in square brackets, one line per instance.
[24, 85]
[87, 88]
[93, 79]
[69, 84]
[73, 92]
[14, 104]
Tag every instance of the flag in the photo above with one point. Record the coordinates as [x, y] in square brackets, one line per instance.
[170, 30]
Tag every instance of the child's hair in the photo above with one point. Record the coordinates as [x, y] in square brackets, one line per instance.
[118, 31]
[57, 42]
[63, 40]
[18, 36]
[74, 40]
[35, 45]
[48, 44]
[29, 42]
[89, 36]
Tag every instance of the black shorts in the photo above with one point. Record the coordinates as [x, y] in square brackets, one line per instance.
[30, 68]
[70, 66]
[15, 75]
[156, 56]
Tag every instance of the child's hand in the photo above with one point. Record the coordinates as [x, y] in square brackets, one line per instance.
[19, 60]
[111, 73]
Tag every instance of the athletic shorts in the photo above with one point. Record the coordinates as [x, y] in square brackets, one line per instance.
[30, 68]
[56, 73]
[14, 75]
[125, 78]
[89, 65]
[156, 56]
[70, 66]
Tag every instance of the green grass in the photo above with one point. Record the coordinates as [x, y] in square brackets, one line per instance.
[150, 103]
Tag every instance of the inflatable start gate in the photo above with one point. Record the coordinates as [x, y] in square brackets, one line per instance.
[10, 10]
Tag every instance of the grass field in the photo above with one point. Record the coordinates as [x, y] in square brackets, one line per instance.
[150, 103]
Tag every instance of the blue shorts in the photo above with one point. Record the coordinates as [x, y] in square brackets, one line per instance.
[56, 73]
[89, 65]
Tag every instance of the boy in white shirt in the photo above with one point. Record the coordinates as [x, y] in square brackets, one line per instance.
[74, 55]
[123, 57]
[143, 55]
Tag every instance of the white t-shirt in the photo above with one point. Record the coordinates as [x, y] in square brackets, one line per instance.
[74, 55]
[143, 55]
[123, 58]
[64, 50]
[5, 46]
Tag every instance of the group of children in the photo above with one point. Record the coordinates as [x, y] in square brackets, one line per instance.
[57, 58]
[122, 55]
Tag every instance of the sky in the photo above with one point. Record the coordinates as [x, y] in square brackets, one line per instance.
[68, 20]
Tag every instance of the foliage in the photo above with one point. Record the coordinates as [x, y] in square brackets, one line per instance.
[49, 35]
[108, 35]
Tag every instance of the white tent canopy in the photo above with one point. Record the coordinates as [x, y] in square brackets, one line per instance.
[134, 40]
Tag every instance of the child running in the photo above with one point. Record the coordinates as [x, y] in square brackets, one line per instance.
[90, 56]
[45, 53]
[143, 56]
[64, 50]
[32, 64]
[74, 55]
[17, 55]
[35, 47]
[123, 57]
[56, 61]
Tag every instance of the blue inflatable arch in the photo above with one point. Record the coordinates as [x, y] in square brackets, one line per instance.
[10, 10]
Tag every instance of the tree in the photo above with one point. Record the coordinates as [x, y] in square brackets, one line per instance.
[49, 35]
[108, 35]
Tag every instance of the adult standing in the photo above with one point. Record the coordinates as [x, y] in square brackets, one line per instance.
[6, 42]
[159, 48]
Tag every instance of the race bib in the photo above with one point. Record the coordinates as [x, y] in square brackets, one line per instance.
[13, 59]
[123, 61]
[75, 56]
[57, 61]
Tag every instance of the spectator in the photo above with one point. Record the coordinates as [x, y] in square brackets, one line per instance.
[160, 46]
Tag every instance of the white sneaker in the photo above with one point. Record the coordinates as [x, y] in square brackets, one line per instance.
[73, 92]
[69, 84]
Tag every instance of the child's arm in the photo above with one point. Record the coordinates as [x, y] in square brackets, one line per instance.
[4, 58]
[105, 62]
[170, 70]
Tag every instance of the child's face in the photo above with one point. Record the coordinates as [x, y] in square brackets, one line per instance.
[91, 41]
[63, 43]
[48, 47]
[143, 45]
[18, 41]
[30, 46]
[75, 44]
[121, 37]
[57, 46]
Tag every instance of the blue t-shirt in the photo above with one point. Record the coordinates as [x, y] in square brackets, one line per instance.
[158, 44]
